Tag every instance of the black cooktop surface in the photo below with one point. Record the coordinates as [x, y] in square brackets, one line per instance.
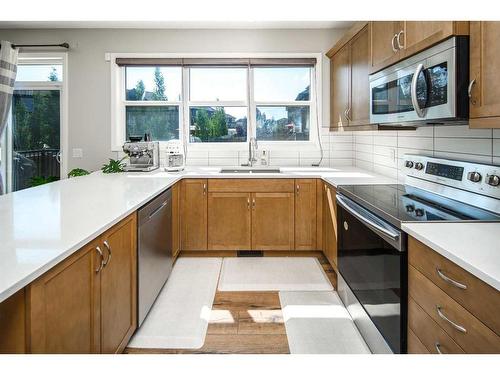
[401, 203]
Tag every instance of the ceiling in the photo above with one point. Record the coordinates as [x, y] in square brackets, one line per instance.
[175, 24]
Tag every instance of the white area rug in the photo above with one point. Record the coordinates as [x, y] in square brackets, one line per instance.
[179, 317]
[273, 274]
[318, 323]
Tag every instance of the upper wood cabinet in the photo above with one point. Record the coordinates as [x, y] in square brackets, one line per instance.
[349, 88]
[392, 41]
[194, 214]
[484, 108]
[384, 43]
[229, 220]
[273, 221]
[305, 214]
[87, 303]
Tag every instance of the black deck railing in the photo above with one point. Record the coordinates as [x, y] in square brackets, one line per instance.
[33, 163]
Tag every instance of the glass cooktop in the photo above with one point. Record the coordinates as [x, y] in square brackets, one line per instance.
[402, 203]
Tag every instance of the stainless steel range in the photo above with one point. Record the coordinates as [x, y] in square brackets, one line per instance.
[372, 258]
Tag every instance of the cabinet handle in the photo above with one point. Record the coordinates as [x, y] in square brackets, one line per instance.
[450, 280]
[469, 91]
[453, 324]
[98, 249]
[394, 49]
[438, 348]
[248, 203]
[398, 41]
[253, 203]
[109, 253]
[204, 189]
[297, 188]
[347, 116]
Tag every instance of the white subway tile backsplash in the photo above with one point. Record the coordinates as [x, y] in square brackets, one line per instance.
[466, 157]
[496, 133]
[362, 147]
[341, 154]
[419, 143]
[496, 147]
[341, 162]
[401, 151]
[385, 161]
[424, 131]
[461, 132]
[386, 141]
[476, 146]
[368, 165]
[283, 162]
[386, 171]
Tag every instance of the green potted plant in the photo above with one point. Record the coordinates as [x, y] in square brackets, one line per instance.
[78, 172]
[114, 166]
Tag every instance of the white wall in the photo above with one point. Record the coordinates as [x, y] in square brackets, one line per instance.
[89, 76]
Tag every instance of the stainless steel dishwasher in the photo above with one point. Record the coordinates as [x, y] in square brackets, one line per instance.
[154, 250]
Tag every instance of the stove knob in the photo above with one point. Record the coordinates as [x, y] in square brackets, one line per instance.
[409, 164]
[419, 166]
[410, 208]
[493, 180]
[419, 212]
[474, 176]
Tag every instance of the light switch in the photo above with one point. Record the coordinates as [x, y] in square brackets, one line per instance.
[78, 153]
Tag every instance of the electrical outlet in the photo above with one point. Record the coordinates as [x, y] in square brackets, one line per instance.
[77, 153]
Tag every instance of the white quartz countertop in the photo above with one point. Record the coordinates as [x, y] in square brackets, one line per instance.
[41, 226]
[473, 246]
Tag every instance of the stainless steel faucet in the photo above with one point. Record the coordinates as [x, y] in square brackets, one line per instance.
[252, 146]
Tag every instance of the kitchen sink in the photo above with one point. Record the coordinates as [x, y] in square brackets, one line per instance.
[248, 170]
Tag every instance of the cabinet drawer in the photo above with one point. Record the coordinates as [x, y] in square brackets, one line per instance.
[463, 327]
[428, 331]
[251, 185]
[479, 298]
[415, 346]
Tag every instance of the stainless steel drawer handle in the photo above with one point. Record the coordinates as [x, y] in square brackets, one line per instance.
[453, 324]
[109, 253]
[438, 348]
[101, 265]
[449, 280]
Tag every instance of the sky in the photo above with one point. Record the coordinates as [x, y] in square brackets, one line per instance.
[37, 72]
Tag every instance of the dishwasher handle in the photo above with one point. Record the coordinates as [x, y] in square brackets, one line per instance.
[158, 209]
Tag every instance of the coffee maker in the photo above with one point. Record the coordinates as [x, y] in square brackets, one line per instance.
[144, 156]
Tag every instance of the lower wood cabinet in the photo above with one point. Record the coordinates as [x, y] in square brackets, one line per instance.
[176, 230]
[13, 333]
[305, 214]
[194, 214]
[87, 303]
[229, 221]
[330, 224]
[273, 221]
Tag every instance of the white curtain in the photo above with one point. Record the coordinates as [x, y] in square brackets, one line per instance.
[8, 70]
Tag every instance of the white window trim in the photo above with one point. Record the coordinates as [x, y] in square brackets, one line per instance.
[31, 59]
[118, 108]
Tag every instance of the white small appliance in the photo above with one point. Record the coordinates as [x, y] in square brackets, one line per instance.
[175, 157]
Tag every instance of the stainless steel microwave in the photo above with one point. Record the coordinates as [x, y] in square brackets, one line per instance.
[430, 87]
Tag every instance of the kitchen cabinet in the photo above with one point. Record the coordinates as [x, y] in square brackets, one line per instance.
[305, 214]
[176, 230]
[13, 324]
[392, 41]
[349, 85]
[229, 221]
[450, 310]
[118, 281]
[273, 221]
[88, 302]
[194, 214]
[384, 49]
[484, 108]
[330, 224]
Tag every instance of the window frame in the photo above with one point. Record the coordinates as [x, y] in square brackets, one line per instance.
[118, 125]
[39, 58]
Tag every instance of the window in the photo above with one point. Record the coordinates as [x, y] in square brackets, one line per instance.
[216, 100]
[152, 100]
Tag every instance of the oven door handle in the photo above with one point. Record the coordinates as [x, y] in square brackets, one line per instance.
[370, 223]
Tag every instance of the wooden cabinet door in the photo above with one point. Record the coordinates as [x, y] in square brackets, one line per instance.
[119, 286]
[13, 324]
[64, 306]
[484, 71]
[383, 46]
[229, 221]
[176, 231]
[331, 226]
[339, 88]
[359, 108]
[420, 35]
[272, 221]
[305, 214]
[194, 214]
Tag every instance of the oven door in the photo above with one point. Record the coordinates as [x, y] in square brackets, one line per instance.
[372, 276]
[423, 90]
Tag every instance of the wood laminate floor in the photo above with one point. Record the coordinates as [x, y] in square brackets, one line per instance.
[244, 323]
